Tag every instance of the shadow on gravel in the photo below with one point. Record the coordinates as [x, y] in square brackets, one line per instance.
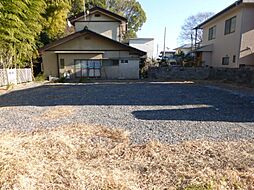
[228, 107]
[196, 114]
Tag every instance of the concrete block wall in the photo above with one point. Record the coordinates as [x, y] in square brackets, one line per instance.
[178, 73]
[243, 75]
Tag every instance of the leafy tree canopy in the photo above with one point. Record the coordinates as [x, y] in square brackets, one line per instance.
[20, 24]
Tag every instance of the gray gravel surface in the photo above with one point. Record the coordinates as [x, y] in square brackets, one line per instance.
[169, 112]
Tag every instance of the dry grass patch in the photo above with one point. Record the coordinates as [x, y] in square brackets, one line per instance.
[86, 157]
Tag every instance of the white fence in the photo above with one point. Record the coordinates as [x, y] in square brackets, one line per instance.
[15, 76]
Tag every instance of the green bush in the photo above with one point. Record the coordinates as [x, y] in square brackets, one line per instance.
[40, 77]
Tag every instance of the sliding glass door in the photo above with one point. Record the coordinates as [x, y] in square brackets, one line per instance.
[88, 68]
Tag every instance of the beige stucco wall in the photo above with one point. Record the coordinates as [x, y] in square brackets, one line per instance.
[104, 25]
[106, 50]
[207, 57]
[110, 72]
[49, 64]
[247, 36]
[224, 45]
[129, 70]
[108, 29]
[89, 42]
[92, 17]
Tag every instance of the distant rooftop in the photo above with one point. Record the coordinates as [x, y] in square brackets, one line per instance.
[171, 51]
[141, 39]
[185, 46]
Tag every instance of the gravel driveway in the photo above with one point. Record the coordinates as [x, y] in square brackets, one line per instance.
[169, 112]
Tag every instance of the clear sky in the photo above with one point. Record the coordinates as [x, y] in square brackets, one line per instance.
[171, 14]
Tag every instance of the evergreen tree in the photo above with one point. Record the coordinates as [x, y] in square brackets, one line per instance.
[20, 24]
[132, 10]
[55, 19]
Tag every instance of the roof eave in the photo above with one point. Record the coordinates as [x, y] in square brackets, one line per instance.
[77, 34]
[237, 3]
[74, 18]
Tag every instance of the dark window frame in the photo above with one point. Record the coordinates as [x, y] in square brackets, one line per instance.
[230, 25]
[115, 62]
[234, 58]
[62, 63]
[212, 33]
[225, 60]
[124, 61]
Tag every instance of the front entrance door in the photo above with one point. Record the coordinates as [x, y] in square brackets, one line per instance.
[88, 68]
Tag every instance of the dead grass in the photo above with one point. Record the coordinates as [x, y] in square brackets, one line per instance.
[86, 157]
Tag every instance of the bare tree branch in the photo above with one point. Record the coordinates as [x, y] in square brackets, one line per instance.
[190, 23]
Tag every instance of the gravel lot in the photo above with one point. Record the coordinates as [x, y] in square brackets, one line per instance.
[169, 112]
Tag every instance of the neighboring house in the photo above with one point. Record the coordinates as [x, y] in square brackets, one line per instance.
[144, 44]
[95, 49]
[186, 48]
[228, 37]
[168, 54]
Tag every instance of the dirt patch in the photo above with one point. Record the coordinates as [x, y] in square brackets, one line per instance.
[57, 112]
[87, 157]
[3, 90]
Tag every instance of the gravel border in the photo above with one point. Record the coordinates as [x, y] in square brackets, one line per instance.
[165, 111]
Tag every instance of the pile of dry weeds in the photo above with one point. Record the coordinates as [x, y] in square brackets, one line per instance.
[85, 157]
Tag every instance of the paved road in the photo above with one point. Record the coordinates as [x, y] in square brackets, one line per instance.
[169, 112]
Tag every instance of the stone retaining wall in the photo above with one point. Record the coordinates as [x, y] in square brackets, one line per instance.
[243, 75]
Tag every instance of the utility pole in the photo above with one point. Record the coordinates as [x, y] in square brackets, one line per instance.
[157, 50]
[164, 48]
[191, 42]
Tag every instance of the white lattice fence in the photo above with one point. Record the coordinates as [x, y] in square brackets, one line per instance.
[15, 76]
[24, 75]
[3, 77]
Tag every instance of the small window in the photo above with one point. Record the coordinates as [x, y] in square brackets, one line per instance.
[234, 59]
[124, 61]
[225, 60]
[87, 37]
[62, 63]
[212, 33]
[230, 25]
[97, 15]
[115, 62]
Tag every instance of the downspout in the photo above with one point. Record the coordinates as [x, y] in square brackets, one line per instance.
[58, 69]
